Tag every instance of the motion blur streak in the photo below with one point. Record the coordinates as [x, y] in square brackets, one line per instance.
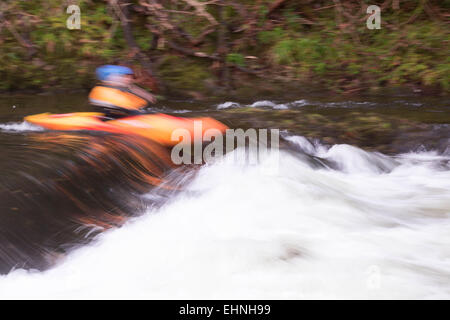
[59, 190]
[333, 222]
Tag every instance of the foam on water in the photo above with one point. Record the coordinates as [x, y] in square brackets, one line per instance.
[228, 104]
[19, 127]
[295, 104]
[377, 227]
[263, 104]
[269, 104]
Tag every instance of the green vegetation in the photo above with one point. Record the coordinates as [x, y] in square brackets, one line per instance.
[190, 47]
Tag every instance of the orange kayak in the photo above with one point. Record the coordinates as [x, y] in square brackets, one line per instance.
[161, 128]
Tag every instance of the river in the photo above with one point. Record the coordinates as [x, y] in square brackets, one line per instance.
[358, 206]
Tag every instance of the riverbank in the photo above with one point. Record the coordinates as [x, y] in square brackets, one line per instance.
[237, 48]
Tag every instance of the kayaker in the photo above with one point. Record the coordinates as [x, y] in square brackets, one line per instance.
[116, 96]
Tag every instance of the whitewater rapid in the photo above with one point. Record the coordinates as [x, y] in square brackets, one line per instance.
[349, 224]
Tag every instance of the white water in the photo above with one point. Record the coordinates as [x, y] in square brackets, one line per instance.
[317, 103]
[19, 127]
[265, 104]
[377, 227]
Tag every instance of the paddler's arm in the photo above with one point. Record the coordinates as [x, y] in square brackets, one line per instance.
[142, 93]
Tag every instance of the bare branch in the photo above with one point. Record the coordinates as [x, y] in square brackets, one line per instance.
[200, 7]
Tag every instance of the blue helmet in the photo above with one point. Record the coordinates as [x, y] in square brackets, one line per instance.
[104, 72]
